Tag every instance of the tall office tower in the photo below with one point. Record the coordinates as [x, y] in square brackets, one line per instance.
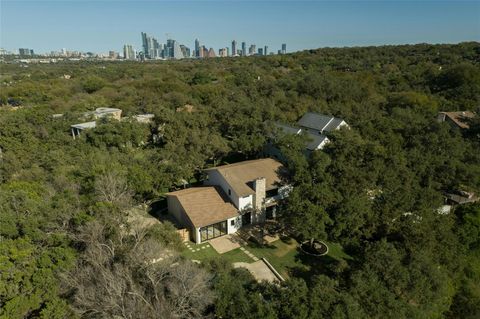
[197, 48]
[260, 51]
[24, 52]
[211, 53]
[185, 51]
[223, 52]
[176, 50]
[234, 48]
[265, 50]
[284, 48]
[201, 50]
[228, 51]
[244, 49]
[252, 50]
[128, 52]
[145, 44]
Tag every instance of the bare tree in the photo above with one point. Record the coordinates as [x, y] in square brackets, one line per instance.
[112, 187]
[134, 278]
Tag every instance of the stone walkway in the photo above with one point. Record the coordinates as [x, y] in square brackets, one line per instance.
[193, 247]
[249, 254]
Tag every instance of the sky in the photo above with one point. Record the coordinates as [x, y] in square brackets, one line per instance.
[100, 26]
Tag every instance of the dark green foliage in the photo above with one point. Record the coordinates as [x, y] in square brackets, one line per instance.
[375, 188]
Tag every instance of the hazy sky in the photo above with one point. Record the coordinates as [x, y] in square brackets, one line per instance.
[100, 26]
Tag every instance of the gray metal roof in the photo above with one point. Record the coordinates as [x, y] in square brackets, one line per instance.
[316, 141]
[315, 121]
[319, 122]
[287, 129]
[333, 125]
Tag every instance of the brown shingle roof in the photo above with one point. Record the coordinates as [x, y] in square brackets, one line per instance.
[205, 205]
[240, 175]
[460, 118]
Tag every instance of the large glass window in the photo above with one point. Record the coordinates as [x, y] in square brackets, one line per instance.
[213, 231]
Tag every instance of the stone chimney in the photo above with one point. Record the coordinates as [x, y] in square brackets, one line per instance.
[259, 185]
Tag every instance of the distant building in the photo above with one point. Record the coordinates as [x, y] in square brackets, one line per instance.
[244, 49]
[101, 112]
[265, 50]
[211, 53]
[144, 118]
[252, 50]
[185, 51]
[128, 52]
[76, 129]
[152, 49]
[197, 48]
[113, 55]
[234, 48]
[260, 51]
[25, 52]
[284, 48]
[223, 52]
[456, 119]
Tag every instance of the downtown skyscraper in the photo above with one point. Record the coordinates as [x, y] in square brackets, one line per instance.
[129, 52]
[234, 48]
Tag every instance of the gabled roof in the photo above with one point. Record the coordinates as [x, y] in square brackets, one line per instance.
[205, 205]
[287, 129]
[241, 175]
[319, 122]
[460, 118]
[315, 140]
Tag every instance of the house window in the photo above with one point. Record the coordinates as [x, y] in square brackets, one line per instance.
[232, 223]
[271, 193]
[213, 231]
[229, 192]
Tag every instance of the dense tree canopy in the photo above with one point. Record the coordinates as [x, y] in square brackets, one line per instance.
[375, 188]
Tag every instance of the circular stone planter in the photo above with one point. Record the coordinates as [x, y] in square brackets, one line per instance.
[319, 248]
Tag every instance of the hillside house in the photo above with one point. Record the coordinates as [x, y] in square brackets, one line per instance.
[315, 126]
[234, 195]
[101, 112]
[456, 119]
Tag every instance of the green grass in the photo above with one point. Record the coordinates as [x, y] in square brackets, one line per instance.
[283, 254]
[208, 252]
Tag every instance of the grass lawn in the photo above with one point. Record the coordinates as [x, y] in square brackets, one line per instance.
[283, 254]
[208, 252]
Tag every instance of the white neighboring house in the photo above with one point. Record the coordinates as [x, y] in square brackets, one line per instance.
[315, 125]
[99, 113]
[234, 195]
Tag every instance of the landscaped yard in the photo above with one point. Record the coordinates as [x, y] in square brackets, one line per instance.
[283, 254]
[205, 251]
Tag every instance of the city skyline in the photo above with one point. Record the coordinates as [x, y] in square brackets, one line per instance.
[108, 25]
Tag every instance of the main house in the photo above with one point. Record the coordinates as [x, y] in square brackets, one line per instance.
[234, 195]
[315, 126]
[456, 119]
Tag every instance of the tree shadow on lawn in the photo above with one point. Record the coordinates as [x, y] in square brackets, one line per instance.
[321, 265]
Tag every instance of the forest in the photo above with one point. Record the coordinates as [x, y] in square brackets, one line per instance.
[67, 249]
